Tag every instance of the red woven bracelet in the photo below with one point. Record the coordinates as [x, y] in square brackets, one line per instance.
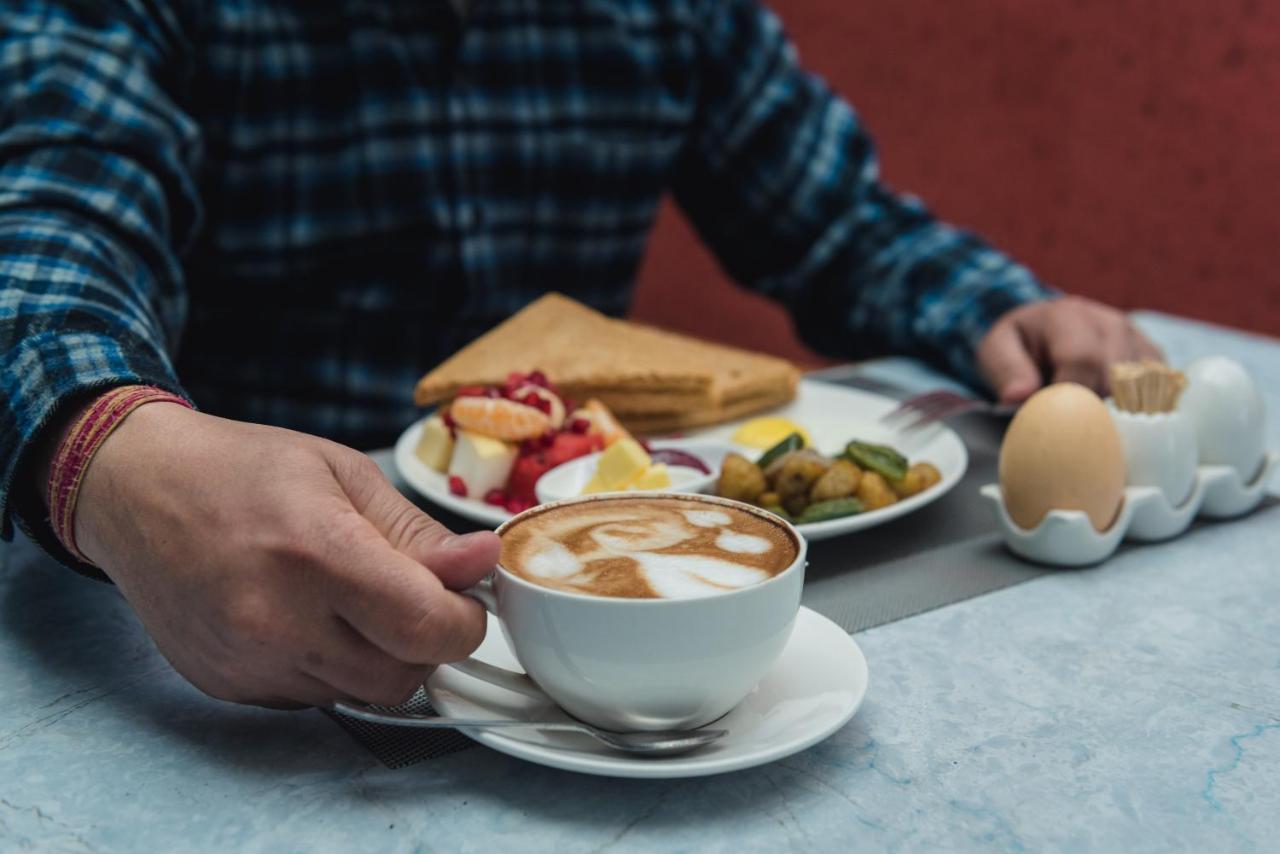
[77, 448]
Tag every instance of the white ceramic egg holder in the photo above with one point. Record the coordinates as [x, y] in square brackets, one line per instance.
[1160, 455]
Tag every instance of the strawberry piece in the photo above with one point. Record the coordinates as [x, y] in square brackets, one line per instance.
[524, 474]
[568, 446]
[518, 505]
[496, 497]
[457, 486]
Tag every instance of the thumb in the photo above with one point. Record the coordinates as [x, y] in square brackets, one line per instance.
[458, 560]
[1006, 363]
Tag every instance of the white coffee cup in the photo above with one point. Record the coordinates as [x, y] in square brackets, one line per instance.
[642, 664]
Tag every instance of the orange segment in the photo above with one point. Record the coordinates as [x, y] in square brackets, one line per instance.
[500, 418]
[604, 423]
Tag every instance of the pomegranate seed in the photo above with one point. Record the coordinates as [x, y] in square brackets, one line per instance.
[457, 486]
[539, 378]
[496, 497]
[517, 504]
[579, 425]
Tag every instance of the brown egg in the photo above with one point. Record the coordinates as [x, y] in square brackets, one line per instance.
[1062, 452]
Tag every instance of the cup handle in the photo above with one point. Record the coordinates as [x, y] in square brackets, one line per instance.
[484, 593]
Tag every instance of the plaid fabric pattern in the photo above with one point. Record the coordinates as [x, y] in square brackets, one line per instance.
[288, 210]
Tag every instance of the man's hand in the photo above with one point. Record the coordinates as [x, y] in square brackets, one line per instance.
[1067, 340]
[273, 567]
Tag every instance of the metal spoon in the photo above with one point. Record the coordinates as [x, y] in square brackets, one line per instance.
[660, 743]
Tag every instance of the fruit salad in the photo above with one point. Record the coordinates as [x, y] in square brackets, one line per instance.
[494, 442]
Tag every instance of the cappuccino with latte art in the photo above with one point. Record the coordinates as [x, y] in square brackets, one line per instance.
[647, 548]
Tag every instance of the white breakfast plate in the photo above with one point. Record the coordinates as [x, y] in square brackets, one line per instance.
[832, 414]
[816, 686]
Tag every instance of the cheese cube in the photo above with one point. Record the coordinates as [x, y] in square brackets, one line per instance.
[622, 463]
[483, 463]
[654, 477]
[435, 447]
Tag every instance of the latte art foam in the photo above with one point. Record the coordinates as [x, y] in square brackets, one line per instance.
[666, 548]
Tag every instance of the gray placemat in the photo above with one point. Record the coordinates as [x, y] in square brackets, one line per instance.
[396, 747]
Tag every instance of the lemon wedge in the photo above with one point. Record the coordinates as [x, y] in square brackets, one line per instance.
[766, 432]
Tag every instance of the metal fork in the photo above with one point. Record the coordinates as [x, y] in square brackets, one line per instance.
[921, 410]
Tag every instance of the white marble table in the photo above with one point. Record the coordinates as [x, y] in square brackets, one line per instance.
[1135, 706]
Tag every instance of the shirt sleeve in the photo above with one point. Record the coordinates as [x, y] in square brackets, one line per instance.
[96, 199]
[781, 182]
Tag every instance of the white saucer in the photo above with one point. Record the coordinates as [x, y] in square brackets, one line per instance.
[814, 689]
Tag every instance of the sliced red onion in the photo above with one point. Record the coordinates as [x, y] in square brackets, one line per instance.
[672, 457]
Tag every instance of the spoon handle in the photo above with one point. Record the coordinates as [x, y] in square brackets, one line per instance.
[366, 713]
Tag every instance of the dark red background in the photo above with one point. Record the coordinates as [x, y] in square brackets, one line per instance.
[1128, 150]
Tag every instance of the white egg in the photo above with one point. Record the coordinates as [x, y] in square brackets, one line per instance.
[1224, 404]
[1159, 450]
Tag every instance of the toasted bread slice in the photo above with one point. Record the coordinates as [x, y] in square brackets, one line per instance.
[650, 425]
[642, 373]
[576, 347]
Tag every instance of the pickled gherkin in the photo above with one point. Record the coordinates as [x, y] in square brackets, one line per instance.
[881, 459]
[821, 511]
[794, 442]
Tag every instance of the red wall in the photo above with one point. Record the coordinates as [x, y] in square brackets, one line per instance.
[1125, 150]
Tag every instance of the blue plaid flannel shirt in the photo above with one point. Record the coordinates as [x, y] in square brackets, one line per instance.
[288, 210]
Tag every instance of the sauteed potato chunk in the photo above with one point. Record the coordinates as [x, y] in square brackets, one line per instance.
[839, 481]
[918, 478]
[740, 479]
[796, 474]
[874, 491]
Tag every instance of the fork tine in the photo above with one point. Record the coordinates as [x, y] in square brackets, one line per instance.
[942, 414]
[926, 402]
[929, 408]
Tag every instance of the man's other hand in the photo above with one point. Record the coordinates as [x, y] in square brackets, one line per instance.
[1066, 340]
[275, 568]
